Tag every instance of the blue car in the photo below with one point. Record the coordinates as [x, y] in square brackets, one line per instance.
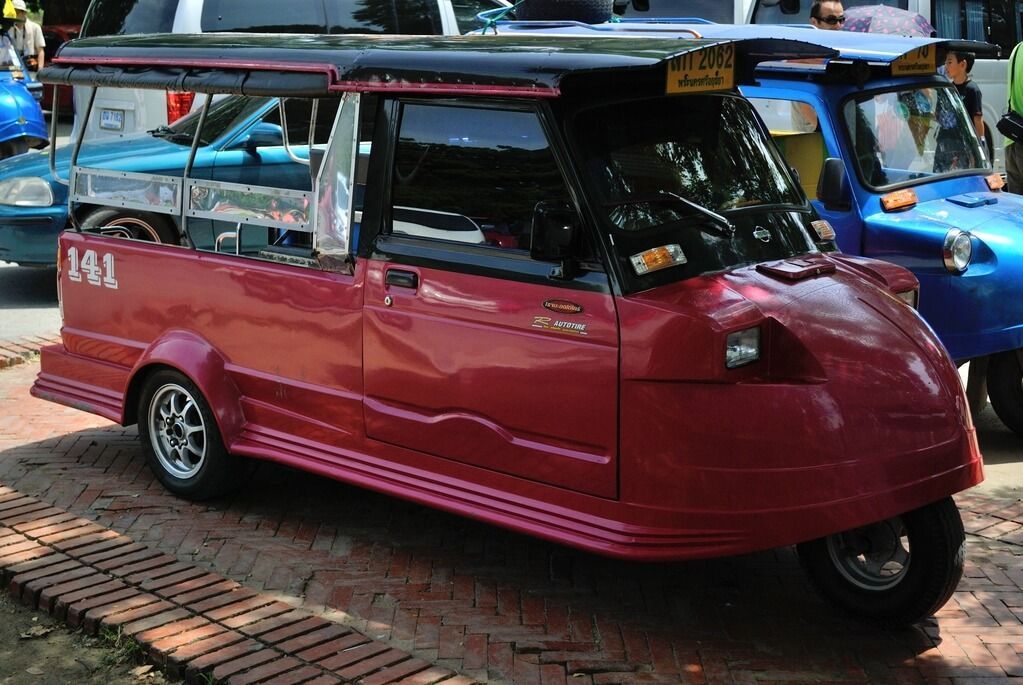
[244, 145]
[884, 149]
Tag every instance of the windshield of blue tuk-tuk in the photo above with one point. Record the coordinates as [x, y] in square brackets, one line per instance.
[915, 133]
[692, 171]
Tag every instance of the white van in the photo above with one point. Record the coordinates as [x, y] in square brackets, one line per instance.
[119, 112]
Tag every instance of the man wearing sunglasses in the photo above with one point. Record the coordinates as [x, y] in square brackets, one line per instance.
[828, 15]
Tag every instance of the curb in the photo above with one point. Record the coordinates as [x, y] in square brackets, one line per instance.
[193, 624]
[14, 352]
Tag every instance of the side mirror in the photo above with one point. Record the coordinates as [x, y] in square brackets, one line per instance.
[555, 232]
[263, 134]
[832, 190]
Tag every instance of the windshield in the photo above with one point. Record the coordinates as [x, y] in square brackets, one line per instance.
[697, 171]
[224, 116]
[910, 134]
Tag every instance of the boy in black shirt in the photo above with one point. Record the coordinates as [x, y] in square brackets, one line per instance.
[957, 68]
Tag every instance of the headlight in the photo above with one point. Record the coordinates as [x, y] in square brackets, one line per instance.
[957, 251]
[27, 191]
[742, 347]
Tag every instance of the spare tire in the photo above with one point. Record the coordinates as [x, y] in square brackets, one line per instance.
[586, 11]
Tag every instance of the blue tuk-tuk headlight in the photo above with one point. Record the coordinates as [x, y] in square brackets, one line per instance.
[26, 191]
[957, 250]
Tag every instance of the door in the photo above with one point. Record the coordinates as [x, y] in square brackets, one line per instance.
[474, 352]
[800, 127]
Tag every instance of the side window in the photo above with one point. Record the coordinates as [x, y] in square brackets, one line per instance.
[126, 17]
[996, 21]
[472, 175]
[262, 16]
[466, 11]
[795, 129]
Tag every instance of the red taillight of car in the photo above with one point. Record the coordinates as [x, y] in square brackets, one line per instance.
[178, 105]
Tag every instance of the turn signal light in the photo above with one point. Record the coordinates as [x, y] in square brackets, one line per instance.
[657, 258]
[900, 199]
[995, 182]
[824, 229]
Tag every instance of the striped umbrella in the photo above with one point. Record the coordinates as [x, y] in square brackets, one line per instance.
[885, 19]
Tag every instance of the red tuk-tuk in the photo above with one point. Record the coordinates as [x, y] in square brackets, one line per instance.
[571, 290]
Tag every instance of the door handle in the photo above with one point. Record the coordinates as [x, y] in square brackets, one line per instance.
[401, 278]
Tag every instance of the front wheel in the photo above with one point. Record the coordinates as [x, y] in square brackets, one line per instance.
[895, 572]
[127, 224]
[180, 438]
[1005, 389]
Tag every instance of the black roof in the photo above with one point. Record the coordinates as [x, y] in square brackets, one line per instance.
[253, 64]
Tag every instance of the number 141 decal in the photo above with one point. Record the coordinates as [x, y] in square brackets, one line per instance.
[97, 271]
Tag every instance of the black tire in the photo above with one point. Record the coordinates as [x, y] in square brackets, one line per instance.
[918, 557]
[586, 11]
[181, 439]
[1005, 389]
[138, 225]
[14, 146]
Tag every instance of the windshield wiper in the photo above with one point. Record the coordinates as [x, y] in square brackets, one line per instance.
[724, 226]
[164, 131]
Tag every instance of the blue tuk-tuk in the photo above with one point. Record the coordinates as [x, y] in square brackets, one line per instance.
[883, 147]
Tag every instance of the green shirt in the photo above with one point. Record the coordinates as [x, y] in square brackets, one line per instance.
[1015, 82]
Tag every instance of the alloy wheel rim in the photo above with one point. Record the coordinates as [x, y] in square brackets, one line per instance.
[875, 557]
[177, 431]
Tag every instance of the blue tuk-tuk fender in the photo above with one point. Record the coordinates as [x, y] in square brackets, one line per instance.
[20, 115]
[976, 312]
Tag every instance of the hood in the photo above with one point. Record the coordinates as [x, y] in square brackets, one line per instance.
[137, 150]
[965, 211]
[914, 237]
[880, 369]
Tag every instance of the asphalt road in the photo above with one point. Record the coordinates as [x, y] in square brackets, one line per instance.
[28, 302]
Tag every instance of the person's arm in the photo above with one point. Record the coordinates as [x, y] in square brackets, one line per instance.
[978, 113]
[40, 45]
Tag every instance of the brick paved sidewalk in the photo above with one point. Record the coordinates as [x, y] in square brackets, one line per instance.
[499, 607]
[14, 352]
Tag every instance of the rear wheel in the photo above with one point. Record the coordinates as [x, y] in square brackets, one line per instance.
[180, 438]
[138, 225]
[1005, 389]
[586, 11]
[895, 572]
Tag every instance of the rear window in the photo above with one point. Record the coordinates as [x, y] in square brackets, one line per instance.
[125, 17]
[330, 16]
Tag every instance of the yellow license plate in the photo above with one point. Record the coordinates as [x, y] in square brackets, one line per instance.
[922, 61]
[711, 68]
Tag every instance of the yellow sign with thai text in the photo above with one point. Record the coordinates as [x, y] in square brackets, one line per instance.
[712, 68]
[920, 62]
